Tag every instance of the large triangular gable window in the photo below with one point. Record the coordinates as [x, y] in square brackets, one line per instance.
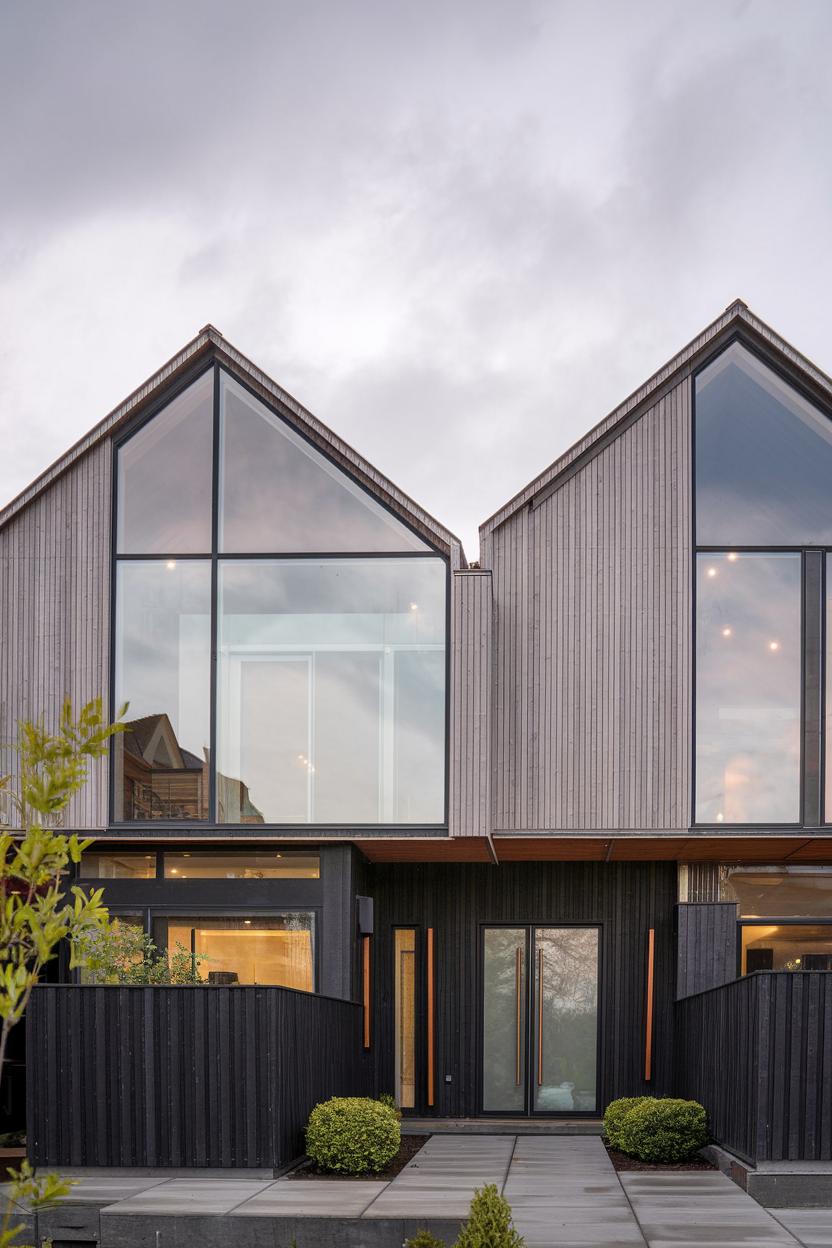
[278, 493]
[285, 628]
[763, 515]
[763, 458]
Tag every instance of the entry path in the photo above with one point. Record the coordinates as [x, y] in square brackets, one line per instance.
[563, 1191]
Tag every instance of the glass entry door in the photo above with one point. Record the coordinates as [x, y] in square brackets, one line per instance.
[540, 1020]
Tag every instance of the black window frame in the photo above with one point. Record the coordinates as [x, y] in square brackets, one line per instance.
[813, 623]
[197, 826]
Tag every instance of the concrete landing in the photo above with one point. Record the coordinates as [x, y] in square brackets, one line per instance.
[502, 1126]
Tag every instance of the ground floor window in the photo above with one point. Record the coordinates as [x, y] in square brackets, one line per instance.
[786, 947]
[246, 949]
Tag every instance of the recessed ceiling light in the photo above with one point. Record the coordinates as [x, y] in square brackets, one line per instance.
[711, 571]
[774, 645]
[727, 632]
[171, 565]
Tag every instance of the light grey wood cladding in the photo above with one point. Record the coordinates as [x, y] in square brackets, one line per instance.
[54, 609]
[471, 675]
[592, 598]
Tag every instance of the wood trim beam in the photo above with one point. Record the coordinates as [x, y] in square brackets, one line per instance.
[648, 1018]
[431, 1018]
[366, 989]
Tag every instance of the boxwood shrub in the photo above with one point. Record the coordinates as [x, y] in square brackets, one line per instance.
[663, 1130]
[615, 1114]
[352, 1135]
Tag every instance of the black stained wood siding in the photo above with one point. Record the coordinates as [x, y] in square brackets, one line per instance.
[758, 1054]
[706, 946]
[184, 1076]
[625, 899]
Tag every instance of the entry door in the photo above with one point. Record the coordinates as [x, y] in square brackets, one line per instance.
[539, 1020]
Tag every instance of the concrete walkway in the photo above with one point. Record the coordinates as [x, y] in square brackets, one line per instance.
[563, 1191]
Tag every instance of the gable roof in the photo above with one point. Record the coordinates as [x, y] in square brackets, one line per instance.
[209, 344]
[737, 318]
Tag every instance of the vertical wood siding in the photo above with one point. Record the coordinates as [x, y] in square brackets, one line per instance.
[706, 946]
[54, 611]
[184, 1076]
[757, 1053]
[470, 721]
[592, 594]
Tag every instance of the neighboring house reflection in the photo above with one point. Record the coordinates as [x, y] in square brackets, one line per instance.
[162, 780]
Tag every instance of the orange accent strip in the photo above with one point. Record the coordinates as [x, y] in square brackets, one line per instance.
[431, 1007]
[366, 986]
[540, 1018]
[648, 1036]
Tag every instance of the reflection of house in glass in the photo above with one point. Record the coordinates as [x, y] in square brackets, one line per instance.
[162, 780]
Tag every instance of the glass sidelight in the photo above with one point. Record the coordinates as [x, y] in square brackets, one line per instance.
[540, 1019]
[404, 947]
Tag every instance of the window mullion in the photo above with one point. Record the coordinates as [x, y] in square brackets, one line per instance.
[812, 686]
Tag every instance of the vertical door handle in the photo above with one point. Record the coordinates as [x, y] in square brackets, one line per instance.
[518, 1005]
[539, 1017]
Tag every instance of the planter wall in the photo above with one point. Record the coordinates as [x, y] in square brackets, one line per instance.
[184, 1076]
[758, 1054]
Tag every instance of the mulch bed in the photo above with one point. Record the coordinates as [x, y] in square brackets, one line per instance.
[622, 1162]
[409, 1148]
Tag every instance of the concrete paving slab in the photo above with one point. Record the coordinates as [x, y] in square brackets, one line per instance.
[441, 1179]
[564, 1193]
[687, 1209]
[813, 1227]
[184, 1196]
[317, 1198]
[104, 1190]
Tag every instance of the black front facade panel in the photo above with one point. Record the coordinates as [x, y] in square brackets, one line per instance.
[464, 905]
[518, 989]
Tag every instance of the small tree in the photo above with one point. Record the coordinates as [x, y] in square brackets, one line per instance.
[489, 1223]
[36, 914]
[125, 954]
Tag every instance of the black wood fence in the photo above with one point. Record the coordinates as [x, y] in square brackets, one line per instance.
[184, 1076]
[758, 1054]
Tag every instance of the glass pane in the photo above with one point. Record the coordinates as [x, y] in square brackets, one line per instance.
[763, 458]
[748, 671]
[164, 478]
[163, 649]
[119, 865]
[249, 950]
[566, 1019]
[786, 948]
[278, 493]
[332, 691]
[779, 892]
[404, 952]
[504, 1019]
[284, 864]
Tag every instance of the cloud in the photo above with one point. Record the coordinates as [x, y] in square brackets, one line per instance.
[458, 233]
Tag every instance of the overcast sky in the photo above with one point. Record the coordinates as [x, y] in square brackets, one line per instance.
[459, 233]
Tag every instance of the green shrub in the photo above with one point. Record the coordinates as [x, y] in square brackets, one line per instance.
[665, 1130]
[489, 1223]
[389, 1101]
[424, 1239]
[615, 1114]
[352, 1135]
